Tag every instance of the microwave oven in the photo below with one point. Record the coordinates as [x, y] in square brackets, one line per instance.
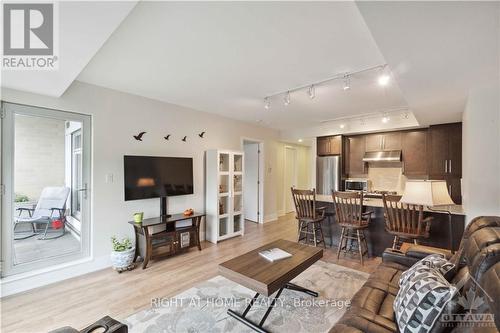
[357, 185]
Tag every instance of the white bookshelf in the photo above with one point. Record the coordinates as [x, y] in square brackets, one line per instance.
[224, 194]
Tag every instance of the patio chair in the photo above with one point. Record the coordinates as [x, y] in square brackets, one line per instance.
[50, 207]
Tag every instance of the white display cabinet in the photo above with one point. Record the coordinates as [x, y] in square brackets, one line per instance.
[224, 194]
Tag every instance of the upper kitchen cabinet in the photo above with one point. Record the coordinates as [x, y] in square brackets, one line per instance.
[355, 146]
[383, 141]
[445, 150]
[414, 152]
[329, 145]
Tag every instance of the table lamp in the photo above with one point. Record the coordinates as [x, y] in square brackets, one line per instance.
[430, 193]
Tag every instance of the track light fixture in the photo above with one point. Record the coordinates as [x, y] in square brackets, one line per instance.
[267, 103]
[385, 118]
[383, 79]
[286, 100]
[347, 82]
[311, 92]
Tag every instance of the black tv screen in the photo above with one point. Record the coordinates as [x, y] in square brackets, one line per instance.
[153, 177]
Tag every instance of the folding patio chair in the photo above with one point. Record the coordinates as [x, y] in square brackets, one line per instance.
[51, 207]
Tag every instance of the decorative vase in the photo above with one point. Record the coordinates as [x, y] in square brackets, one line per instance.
[122, 259]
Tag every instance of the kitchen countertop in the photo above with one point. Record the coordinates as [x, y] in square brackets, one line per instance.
[376, 202]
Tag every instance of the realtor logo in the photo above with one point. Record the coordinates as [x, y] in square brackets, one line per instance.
[29, 38]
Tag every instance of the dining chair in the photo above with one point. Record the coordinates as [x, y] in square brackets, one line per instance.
[309, 216]
[353, 221]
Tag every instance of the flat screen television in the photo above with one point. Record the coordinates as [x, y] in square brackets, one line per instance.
[154, 177]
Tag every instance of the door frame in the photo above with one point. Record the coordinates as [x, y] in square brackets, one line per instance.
[261, 173]
[295, 176]
[7, 180]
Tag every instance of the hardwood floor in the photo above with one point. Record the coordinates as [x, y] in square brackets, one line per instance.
[80, 301]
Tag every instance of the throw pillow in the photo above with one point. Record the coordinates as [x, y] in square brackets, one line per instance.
[421, 300]
[436, 261]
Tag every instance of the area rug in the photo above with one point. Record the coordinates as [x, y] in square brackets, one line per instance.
[203, 308]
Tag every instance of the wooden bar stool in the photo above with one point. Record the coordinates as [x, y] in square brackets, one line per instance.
[309, 216]
[352, 220]
[405, 221]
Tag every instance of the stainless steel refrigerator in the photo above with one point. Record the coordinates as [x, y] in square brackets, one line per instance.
[327, 174]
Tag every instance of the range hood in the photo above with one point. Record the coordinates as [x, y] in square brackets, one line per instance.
[382, 156]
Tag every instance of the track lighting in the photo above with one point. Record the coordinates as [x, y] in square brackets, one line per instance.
[342, 126]
[311, 92]
[286, 100]
[347, 82]
[267, 103]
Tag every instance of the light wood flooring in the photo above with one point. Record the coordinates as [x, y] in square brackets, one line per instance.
[80, 301]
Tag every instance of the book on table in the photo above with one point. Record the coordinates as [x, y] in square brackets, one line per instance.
[275, 254]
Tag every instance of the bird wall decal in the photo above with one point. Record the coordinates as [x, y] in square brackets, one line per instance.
[167, 137]
[184, 138]
[201, 134]
[138, 137]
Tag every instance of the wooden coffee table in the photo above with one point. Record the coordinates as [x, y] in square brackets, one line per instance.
[265, 278]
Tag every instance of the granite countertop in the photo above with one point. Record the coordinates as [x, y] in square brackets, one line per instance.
[376, 202]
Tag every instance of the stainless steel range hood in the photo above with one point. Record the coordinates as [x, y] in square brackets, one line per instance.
[383, 156]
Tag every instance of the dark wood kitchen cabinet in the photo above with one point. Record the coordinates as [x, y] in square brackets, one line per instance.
[445, 156]
[355, 147]
[445, 150]
[383, 141]
[414, 152]
[329, 145]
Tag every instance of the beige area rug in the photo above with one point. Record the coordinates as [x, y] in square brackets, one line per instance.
[203, 308]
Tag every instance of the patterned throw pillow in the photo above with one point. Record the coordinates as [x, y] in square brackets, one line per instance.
[421, 299]
[436, 261]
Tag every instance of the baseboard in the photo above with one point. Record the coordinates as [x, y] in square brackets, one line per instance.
[22, 282]
[281, 212]
[270, 217]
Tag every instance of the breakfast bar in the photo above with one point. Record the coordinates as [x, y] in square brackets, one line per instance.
[379, 239]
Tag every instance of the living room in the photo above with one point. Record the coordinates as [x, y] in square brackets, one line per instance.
[237, 103]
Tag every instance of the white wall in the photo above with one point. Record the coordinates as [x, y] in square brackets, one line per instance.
[116, 117]
[481, 153]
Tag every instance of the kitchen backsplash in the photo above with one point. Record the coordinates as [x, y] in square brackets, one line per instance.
[387, 179]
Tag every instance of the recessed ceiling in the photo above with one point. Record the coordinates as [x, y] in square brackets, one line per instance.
[84, 26]
[226, 57]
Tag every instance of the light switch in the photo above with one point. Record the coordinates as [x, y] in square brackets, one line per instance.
[109, 178]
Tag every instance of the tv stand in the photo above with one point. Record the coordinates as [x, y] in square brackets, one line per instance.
[152, 245]
[163, 208]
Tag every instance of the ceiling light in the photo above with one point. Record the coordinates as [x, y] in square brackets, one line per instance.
[383, 79]
[286, 100]
[267, 103]
[300, 140]
[311, 92]
[385, 118]
[347, 82]
[342, 125]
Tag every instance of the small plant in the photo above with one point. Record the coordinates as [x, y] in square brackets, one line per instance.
[120, 246]
[21, 198]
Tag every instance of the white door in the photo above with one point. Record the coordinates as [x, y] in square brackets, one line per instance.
[43, 149]
[290, 176]
[251, 181]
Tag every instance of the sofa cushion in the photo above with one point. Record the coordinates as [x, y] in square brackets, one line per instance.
[422, 298]
[435, 261]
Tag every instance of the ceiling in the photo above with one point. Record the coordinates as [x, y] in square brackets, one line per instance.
[225, 57]
[83, 29]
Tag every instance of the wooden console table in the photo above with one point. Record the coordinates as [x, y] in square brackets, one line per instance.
[151, 244]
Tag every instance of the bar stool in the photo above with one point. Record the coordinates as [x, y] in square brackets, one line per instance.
[309, 217]
[352, 220]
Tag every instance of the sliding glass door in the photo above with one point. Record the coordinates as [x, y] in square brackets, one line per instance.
[46, 182]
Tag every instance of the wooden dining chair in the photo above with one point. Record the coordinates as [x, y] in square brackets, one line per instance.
[309, 216]
[353, 221]
[405, 221]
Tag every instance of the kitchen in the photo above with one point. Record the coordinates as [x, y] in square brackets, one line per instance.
[382, 162]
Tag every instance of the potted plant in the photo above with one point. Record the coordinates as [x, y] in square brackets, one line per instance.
[122, 256]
